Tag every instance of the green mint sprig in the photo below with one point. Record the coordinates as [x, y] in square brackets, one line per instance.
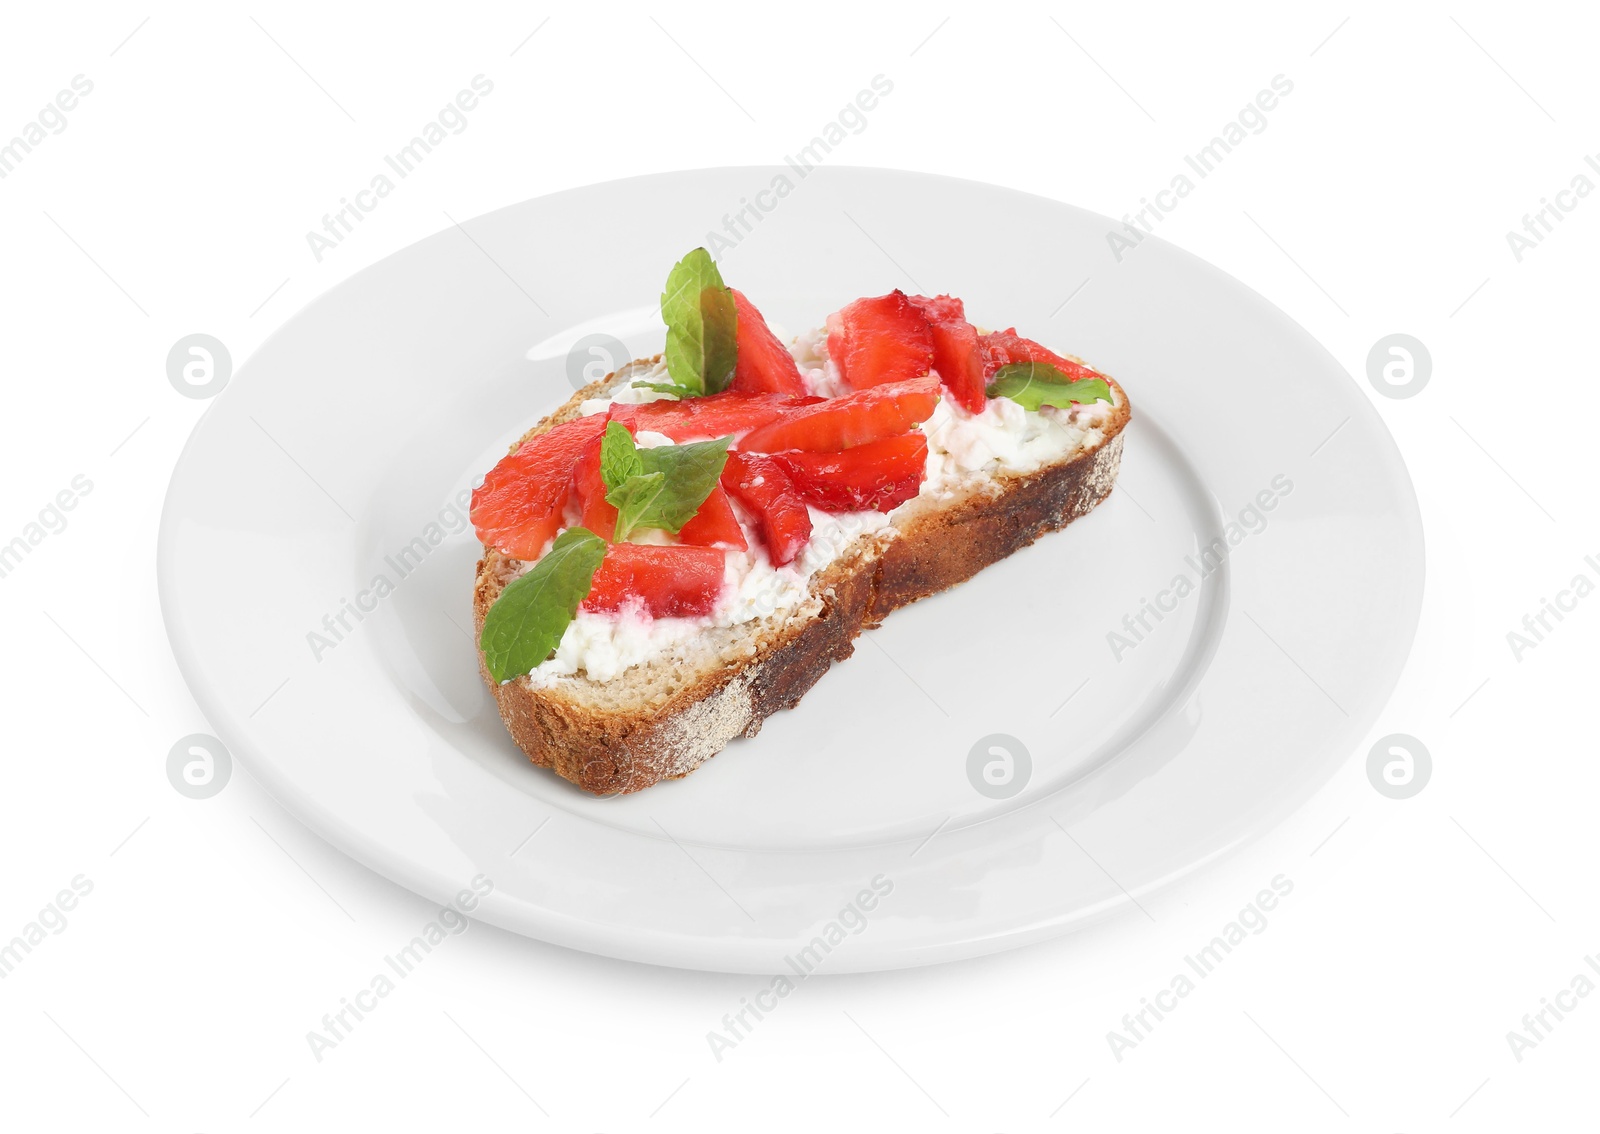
[526, 623]
[661, 487]
[702, 329]
[1035, 384]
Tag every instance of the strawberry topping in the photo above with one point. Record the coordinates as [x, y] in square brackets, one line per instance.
[598, 514]
[714, 525]
[956, 354]
[764, 364]
[518, 507]
[883, 339]
[879, 475]
[938, 308]
[1005, 347]
[762, 486]
[853, 419]
[714, 415]
[858, 451]
[667, 582]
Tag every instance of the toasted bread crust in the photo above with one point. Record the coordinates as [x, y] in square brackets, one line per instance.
[937, 548]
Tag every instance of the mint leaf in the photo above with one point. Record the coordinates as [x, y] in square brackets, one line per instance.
[1035, 384]
[702, 325]
[672, 388]
[663, 487]
[691, 473]
[619, 459]
[633, 499]
[526, 622]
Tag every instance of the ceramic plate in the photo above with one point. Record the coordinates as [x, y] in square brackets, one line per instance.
[1082, 724]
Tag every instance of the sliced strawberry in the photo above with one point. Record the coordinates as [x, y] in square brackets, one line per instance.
[762, 485]
[853, 419]
[959, 360]
[598, 514]
[714, 525]
[956, 353]
[518, 507]
[880, 474]
[667, 582]
[765, 364]
[937, 308]
[883, 339]
[1002, 348]
[714, 415]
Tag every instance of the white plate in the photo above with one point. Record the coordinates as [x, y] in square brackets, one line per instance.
[353, 426]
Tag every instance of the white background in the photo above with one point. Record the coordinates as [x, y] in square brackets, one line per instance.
[218, 932]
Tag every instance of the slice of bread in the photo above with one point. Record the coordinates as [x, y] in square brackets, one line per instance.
[667, 716]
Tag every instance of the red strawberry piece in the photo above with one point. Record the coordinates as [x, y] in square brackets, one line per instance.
[853, 419]
[959, 361]
[1002, 348]
[765, 364]
[666, 582]
[879, 475]
[956, 353]
[714, 525]
[714, 415]
[883, 339]
[590, 489]
[936, 308]
[518, 507]
[762, 486]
